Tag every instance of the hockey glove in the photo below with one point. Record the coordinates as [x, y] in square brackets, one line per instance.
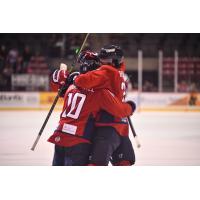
[69, 81]
[132, 104]
[59, 77]
[72, 77]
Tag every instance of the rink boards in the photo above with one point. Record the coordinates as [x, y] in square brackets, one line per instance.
[145, 101]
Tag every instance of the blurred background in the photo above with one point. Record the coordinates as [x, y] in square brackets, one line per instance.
[167, 62]
[163, 75]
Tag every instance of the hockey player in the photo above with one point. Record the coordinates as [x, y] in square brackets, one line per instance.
[72, 138]
[111, 139]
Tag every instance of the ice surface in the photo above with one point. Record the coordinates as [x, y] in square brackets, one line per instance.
[167, 138]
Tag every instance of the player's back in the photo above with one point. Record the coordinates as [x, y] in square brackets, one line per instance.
[106, 77]
[116, 83]
[112, 79]
[79, 110]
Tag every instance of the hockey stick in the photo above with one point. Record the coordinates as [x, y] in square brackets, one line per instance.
[75, 60]
[57, 97]
[134, 133]
[46, 120]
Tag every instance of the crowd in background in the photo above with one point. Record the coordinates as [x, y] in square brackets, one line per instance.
[18, 53]
[13, 61]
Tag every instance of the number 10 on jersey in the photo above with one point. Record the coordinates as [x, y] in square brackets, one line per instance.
[74, 105]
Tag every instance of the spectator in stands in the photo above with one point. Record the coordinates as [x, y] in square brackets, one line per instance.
[3, 52]
[12, 59]
[183, 86]
[193, 94]
[192, 87]
[148, 86]
[6, 75]
[2, 57]
[19, 65]
[56, 45]
[26, 58]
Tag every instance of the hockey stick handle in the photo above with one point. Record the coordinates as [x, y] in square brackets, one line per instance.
[83, 44]
[46, 120]
[134, 133]
[75, 60]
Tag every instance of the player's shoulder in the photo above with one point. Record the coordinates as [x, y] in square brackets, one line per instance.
[108, 68]
[72, 89]
[123, 67]
[111, 68]
[104, 92]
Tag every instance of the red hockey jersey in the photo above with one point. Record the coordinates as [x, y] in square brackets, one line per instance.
[79, 112]
[112, 79]
[105, 77]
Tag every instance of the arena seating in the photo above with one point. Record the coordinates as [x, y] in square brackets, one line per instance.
[37, 65]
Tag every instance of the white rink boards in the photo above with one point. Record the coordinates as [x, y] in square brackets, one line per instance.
[167, 138]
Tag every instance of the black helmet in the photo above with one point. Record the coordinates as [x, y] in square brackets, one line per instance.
[111, 54]
[88, 61]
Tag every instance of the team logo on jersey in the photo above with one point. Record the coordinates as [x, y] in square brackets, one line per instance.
[57, 139]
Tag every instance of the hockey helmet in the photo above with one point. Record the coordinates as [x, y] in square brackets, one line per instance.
[111, 54]
[88, 61]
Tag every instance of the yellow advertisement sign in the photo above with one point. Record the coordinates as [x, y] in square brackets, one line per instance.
[47, 98]
[192, 99]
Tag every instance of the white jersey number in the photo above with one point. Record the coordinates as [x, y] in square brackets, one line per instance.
[123, 88]
[75, 107]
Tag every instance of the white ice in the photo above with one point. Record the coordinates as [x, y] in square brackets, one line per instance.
[167, 138]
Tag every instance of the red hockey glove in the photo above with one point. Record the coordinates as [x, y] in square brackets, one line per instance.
[59, 77]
